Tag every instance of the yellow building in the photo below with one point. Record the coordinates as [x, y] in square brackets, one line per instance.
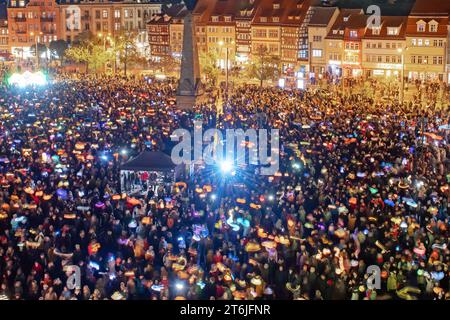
[426, 41]
[383, 47]
[342, 44]
[176, 29]
[321, 21]
[107, 18]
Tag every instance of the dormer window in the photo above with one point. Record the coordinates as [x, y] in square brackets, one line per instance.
[421, 26]
[433, 26]
[375, 31]
[227, 19]
[341, 31]
[353, 34]
[346, 19]
[276, 19]
[276, 6]
[392, 31]
[335, 31]
[215, 19]
[263, 19]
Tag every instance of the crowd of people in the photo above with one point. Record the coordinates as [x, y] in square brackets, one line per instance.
[361, 184]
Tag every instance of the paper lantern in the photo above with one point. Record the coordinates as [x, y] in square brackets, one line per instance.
[62, 193]
[340, 233]
[29, 190]
[241, 200]
[14, 197]
[207, 188]
[255, 206]
[70, 216]
[133, 201]
[269, 244]
[257, 281]
[100, 205]
[282, 240]
[352, 201]
[3, 215]
[129, 274]
[146, 220]
[199, 190]
[80, 145]
[39, 193]
[181, 185]
[252, 247]
[47, 197]
[116, 197]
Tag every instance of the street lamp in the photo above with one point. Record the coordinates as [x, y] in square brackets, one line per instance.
[36, 48]
[227, 65]
[402, 89]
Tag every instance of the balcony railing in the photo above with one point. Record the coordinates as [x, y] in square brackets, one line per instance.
[20, 19]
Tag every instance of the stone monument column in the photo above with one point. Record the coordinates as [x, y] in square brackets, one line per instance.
[189, 87]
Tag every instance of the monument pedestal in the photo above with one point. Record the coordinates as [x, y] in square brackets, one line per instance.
[186, 102]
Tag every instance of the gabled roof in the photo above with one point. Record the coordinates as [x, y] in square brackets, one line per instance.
[322, 15]
[431, 8]
[386, 23]
[347, 18]
[411, 29]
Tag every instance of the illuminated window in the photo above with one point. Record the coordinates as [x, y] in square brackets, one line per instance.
[421, 27]
[317, 53]
[105, 14]
[353, 34]
[376, 31]
[433, 27]
[116, 13]
[392, 31]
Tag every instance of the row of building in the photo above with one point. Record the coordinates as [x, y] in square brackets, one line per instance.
[26, 22]
[313, 41]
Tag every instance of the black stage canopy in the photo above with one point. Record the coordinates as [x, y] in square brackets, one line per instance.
[150, 161]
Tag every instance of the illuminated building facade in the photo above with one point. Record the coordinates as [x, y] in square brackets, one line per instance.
[165, 33]
[320, 24]
[343, 44]
[383, 48]
[107, 18]
[426, 40]
[4, 36]
[31, 22]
